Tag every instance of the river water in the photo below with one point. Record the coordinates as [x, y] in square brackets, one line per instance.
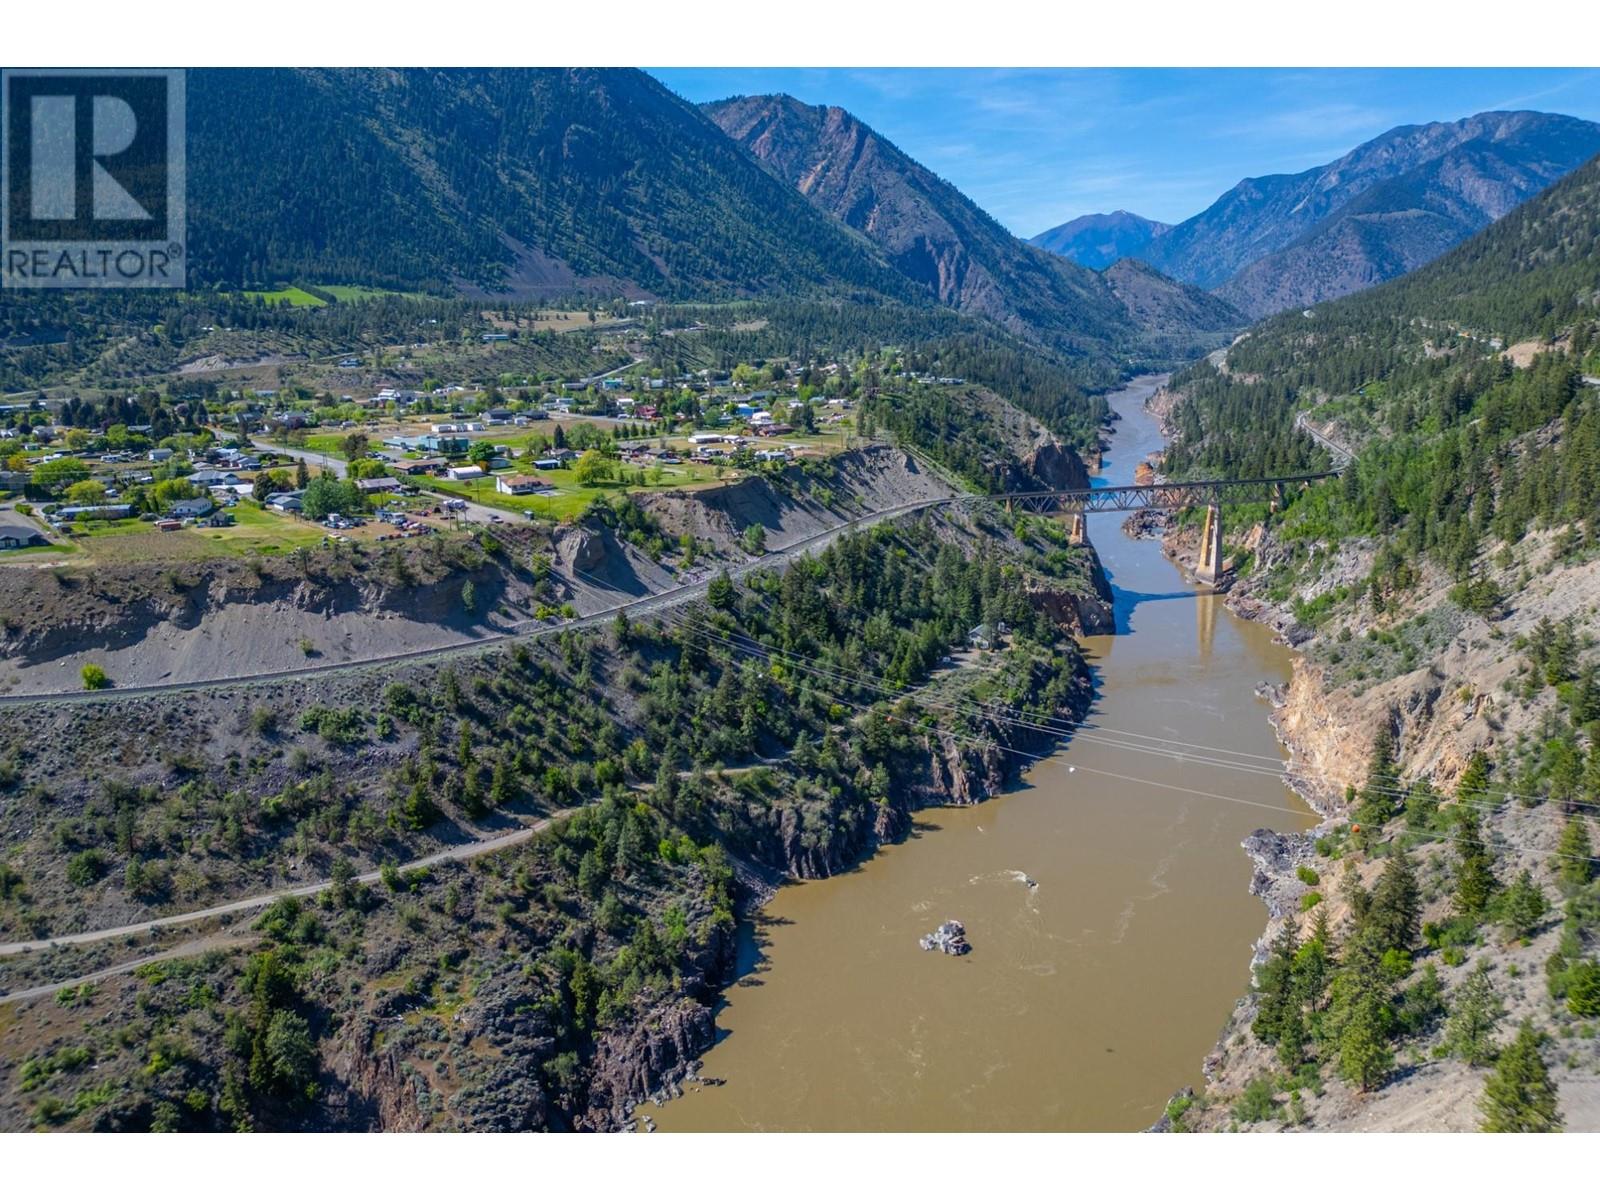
[1090, 996]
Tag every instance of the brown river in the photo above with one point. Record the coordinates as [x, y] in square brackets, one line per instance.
[1105, 900]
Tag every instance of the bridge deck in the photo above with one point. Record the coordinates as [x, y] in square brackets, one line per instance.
[1128, 497]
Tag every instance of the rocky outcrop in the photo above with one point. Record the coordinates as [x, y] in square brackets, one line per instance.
[646, 1059]
[1056, 466]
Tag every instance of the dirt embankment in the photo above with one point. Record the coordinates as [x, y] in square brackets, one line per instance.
[1444, 684]
[230, 617]
[226, 618]
[798, 503]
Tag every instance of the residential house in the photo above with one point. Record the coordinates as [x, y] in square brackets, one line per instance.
[421, 466]
[185, 509]
[286, 502]
[95, 512]
[519, 485]
[207, 479]
[383, 483]
[14, 536]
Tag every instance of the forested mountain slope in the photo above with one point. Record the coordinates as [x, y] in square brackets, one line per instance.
[1390, 205]
[943, 242]
[1436, 961]
[536, 181]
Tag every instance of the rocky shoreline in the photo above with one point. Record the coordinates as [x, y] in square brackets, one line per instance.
[1274, 855]
[665, 1057]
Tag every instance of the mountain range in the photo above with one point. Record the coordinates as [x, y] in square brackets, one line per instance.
[1100, 239]
[526, 183]
[1388, 206]
[935, 235]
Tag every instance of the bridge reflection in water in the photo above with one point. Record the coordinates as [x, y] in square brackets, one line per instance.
[1212, 493]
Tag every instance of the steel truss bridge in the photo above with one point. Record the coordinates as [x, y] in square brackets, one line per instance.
[1208, 492]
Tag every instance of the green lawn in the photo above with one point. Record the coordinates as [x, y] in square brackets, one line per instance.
[350, 294]
[572, 498]
[567, 505]
[255, 529]
[52, 548]
[291, 296]
[118, 528]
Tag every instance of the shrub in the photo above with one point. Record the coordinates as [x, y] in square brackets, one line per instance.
[1256, 1102]
[85, 868]
[94, 677]
[1307, 876]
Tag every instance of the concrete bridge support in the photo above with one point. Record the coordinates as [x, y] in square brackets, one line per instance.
[1210, 565]
[1077, 528]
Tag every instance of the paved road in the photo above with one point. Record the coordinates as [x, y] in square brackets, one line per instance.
[529, 628]
[461, 853]
[310, 457]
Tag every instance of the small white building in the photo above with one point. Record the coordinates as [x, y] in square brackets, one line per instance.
[469, 471]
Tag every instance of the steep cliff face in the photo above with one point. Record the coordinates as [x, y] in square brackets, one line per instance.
[946, 244]
[1401, 198]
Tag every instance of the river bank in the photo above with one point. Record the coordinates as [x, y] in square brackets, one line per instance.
[1108, 883]
[1439, 708]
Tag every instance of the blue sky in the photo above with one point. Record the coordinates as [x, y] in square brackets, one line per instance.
[1039, 147]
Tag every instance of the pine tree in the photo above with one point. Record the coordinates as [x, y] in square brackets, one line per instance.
[1360, 1016]
[1575, 853]
[1475, 882]
[1523, 906]
[1475, 1012]
[1474, 782]
[1364, 1054]
[1315, 963]
[1355, 896]
[1519, 1097]
[1277, 998]
[1396, 911]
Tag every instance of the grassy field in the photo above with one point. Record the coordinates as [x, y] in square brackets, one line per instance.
[350, 294]
[572, 498]
[25, 551]
[255, 531]
[291, 296]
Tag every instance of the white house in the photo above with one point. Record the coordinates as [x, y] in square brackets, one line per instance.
[518, 485]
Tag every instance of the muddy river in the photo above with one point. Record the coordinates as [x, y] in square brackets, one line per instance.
[1105, 900]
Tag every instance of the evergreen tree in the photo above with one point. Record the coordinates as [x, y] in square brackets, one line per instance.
[1277, 997]
[1575, 853]
[1396, 912]
[1315, 963]
[1475, 1012]
[1360, 1016]
[1475, 881]
[1524, 906]
[1519, 1097]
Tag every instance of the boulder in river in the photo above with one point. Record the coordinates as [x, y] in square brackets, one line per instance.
[951, 938]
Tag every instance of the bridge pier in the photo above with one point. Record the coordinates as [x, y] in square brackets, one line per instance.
[1276, 504]
[1210, 565]
[1077, 528]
